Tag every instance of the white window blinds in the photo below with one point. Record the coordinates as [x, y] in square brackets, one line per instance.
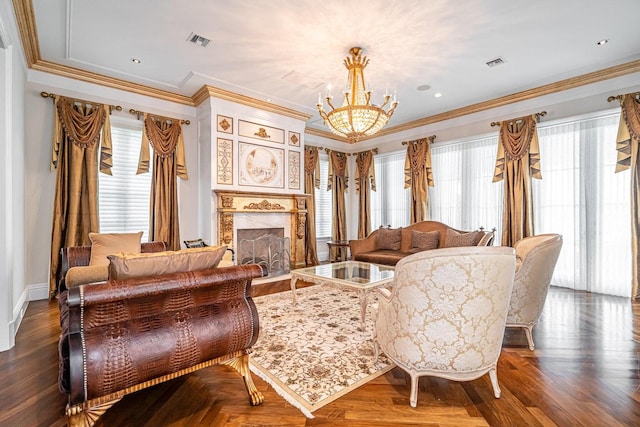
[390, 203]
[324, 202]
[123, 201]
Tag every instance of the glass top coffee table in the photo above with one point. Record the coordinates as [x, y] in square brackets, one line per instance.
[361, 276]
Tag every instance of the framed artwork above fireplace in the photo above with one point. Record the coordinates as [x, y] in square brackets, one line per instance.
[261, 166]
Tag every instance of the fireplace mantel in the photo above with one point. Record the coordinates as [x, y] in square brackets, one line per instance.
[231, 203]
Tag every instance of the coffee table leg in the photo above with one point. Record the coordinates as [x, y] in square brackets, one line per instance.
[362, 296]
[294, 279]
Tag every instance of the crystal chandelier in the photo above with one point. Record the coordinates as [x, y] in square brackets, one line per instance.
[357, 117]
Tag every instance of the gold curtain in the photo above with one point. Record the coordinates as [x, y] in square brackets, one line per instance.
[518, 161]
[311, 182]
[338, 182]
[365, 182]
[417, 176]
[79, 128]
[627, 146]
[165, 135]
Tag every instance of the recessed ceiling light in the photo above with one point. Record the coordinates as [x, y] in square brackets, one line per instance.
[602, 42]
[423, 87]
[268, 99]
[135, 60]
[437, 95]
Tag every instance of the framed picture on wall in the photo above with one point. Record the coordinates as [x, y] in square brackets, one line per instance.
[261, 166]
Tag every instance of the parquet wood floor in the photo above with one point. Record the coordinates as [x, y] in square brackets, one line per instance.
[584, 372]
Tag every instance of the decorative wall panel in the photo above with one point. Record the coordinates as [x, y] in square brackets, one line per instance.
[294, 170]
[261, 132]
[225, 124]
[224, 170]
[294, 139]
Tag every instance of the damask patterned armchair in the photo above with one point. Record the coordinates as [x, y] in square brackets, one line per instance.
[445, 315]
[536, 259]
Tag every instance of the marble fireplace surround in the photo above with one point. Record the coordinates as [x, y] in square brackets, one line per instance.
[246, 210]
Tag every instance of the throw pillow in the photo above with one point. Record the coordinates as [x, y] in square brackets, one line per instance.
[126, 266]
[103, 245]
[424, 240]
[389, 238]
[455, 239]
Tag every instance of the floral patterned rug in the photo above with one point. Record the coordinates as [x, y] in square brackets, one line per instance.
[314, 352]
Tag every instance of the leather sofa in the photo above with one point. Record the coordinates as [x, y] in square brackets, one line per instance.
[121, 336]
[388, 246]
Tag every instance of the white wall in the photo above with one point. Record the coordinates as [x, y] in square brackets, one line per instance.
[13, 290]
[40, 183]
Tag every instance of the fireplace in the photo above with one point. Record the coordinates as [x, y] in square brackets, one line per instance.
[241, 211]
[265, 246]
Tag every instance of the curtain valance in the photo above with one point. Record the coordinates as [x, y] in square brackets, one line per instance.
[83, 124]
[165, 136]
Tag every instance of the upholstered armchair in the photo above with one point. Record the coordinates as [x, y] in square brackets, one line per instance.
[445, 315]
[536, 259]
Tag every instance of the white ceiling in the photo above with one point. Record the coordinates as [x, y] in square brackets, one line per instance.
[288, 51]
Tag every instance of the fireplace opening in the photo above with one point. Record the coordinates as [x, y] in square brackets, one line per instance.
[265, 246]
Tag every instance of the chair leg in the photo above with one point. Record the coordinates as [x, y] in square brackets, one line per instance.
[413, 396]
[493, 374]
[241, 364]
[528, 330]
[83, 415]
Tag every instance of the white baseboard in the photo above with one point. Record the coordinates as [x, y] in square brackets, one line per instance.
[38, 291]
[18, 313]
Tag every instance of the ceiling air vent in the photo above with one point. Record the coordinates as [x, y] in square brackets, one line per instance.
[198, 40]
[494, 62]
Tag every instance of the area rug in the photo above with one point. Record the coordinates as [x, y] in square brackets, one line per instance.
[315, 351]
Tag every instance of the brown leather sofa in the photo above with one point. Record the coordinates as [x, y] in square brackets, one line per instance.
[388, 246]
[121, 336]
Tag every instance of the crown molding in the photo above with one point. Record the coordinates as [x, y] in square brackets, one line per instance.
[207, 91]
[559, 86]
[112, 82]
[28, 32]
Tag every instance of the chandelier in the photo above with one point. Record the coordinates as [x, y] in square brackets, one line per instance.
[357, 117]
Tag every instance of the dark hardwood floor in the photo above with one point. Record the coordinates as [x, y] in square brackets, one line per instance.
[584, 372]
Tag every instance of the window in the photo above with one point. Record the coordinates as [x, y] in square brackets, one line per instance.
[582, 198]
[123, 198]
[324, 202]
[390, 203]
[464, 196]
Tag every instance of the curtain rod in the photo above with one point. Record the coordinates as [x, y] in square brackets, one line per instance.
[52, 95]
[139, 113]
[538, 115]
[329, 150]
[375, 151]
[430, 138]
[619, 97]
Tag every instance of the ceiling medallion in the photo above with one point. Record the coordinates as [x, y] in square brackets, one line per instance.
[357, 117]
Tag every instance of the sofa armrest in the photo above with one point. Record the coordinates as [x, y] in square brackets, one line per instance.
[367, 244]
[154, 326]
